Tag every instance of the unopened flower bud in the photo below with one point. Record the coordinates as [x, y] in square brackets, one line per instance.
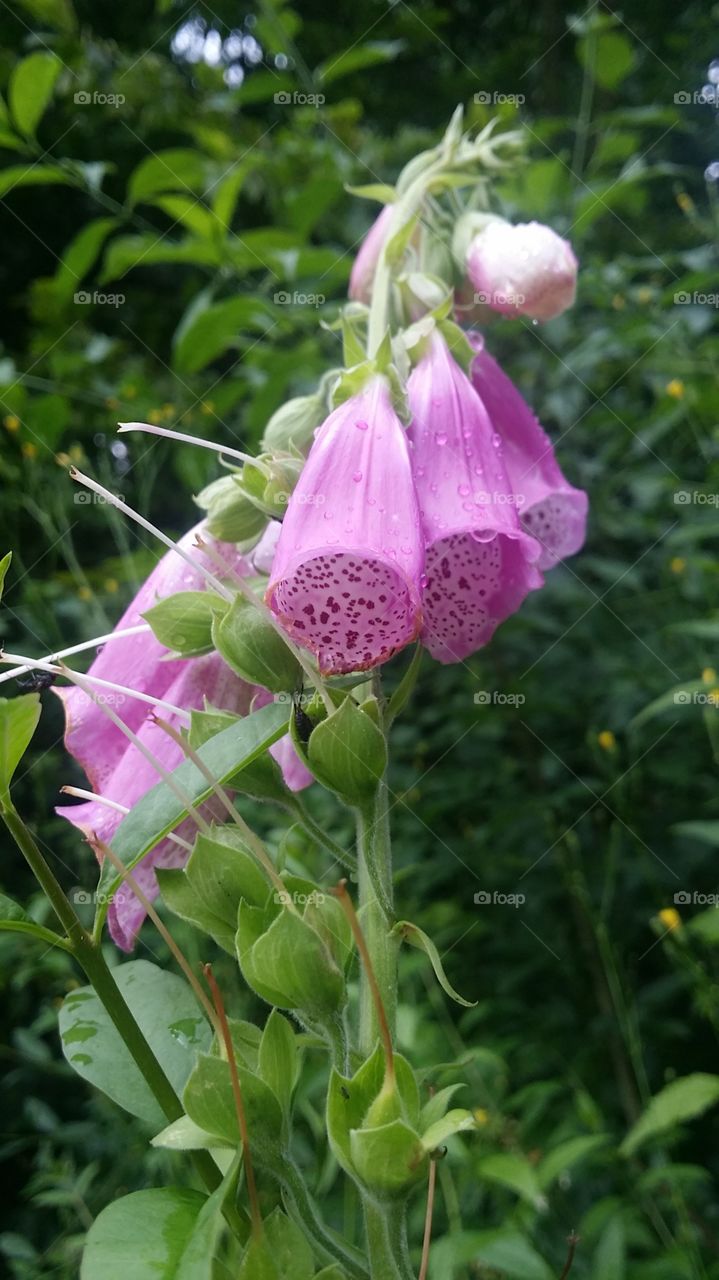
[347, 753]
[231, 515]
[525, 269]
[293, 425]
[254, 648]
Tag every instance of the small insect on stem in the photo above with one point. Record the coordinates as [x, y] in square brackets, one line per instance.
[38, 681]
[303, 723]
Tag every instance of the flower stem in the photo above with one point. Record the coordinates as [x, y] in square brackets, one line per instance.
[330, 1248]
[90, 958]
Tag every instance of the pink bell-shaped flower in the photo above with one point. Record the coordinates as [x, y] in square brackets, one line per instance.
[365, 264]
[550, 508]
[116, 768]
[480, 564]
[522, 269]
[345, 581]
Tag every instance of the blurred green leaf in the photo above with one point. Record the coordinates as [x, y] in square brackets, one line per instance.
[683, 1099]
[31, 85]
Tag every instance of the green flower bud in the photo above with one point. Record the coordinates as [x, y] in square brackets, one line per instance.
[270, 484]
[253, 647]
[347, 753]
[183, 622]
[292, 951]
[231, 515]
[293, 425]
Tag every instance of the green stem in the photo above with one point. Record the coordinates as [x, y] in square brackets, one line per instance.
[330, 1247]
[382, 1260]
[344, 856]
[90, 958]
[377, 916]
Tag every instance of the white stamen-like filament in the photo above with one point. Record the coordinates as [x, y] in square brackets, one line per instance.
[37, 664]
[124, 427]
[81, 794]
[117, 502]
[140, 629]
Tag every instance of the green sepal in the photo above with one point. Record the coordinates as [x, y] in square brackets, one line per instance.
[286, 960]
[388, 1158]
[281, 1253]
[416, 937]
[183, 622]
[207, 893]
[351, 1099]
[457, 1121]
[209, 1101]
[231, 516]
[279, 1059]
[293, 425]
[347, 753]
[254, 648]
[380, 191]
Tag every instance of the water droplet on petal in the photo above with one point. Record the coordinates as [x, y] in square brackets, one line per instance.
[440, 438]
[361, 425]
[357, 477]
[463, 490]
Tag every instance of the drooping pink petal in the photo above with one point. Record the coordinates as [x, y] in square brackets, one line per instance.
[199, 678]
[138, 662]
[345, 580]
[522, 269]
[480, 564]
[365, 264]
[550, 508]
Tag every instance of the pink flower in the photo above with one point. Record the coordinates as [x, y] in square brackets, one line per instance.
[365, 264]
[480, 564]
[194, 679]
[522, 269]
[345, 581]
[549, 507]
[116, 768]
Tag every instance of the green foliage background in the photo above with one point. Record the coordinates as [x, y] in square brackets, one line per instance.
[198, 203]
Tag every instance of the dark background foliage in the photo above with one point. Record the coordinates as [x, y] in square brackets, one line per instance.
[553, 786]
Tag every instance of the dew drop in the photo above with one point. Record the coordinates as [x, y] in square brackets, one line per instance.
[440, 438]
[361, 425]
[463, 490]
[357, 477]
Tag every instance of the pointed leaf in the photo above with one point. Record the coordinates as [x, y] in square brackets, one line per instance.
[31, 85]
[18, 721]
[142, 1236]
[683, 1099]
[417, 938]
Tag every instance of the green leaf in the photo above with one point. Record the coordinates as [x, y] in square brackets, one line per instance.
[609, 1260]
[37, 175]
[52, 13]
[358, 58]
[126, 252]
[31, 85]
[705, 926]
[18, 721]
[567, 1154]
[14, 919]
[514, 1172]
[142, 1236]
[279, 1059]
[417, 938]
[176, 169]
[201, 1250]
[675, 700]
[160, 810]
[183, 622]
[683, 1099]
[505, 1250]
[707, 832]
[613, 58]
[374, 191]
[4, 566]
[167, 1013]
[218, 327]
[80, 255]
